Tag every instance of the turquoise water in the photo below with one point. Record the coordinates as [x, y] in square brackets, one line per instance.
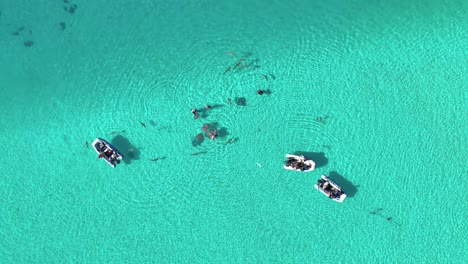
[388, 78]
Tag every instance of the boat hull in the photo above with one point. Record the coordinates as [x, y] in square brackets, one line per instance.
[107, 152]
[309, 164]
[339, 199]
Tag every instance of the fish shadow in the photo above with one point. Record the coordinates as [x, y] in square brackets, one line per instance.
[349, 188]
[232, 140]
[160, 158]
[318, 157]
[129, 151]
[214, 106]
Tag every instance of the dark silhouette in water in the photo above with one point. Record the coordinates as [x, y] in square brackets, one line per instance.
[62, 25]
[205, 127]
[198, 140]
[238, 62]
[318, 157]
[128, 150]
[223, 132]
[267, 91]
[348, 187]
[232, 140]
[241, 101]
[28, 43]
[198, 153]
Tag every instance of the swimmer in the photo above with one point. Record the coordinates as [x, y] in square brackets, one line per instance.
[195, 113]
[213, 134]
[260, 92]
[208, 107]
[142, 124]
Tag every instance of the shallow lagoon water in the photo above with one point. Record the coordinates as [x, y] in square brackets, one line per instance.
[387, 79]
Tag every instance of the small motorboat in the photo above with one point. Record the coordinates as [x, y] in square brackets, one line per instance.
[298, 163]
[330, 189]
[107, 152]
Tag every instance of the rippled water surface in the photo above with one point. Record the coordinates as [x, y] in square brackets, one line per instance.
[375, 92]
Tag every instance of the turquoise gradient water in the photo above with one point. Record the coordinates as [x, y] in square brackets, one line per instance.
[388, 79]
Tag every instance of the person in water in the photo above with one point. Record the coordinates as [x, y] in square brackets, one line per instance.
[260, 92]
[195, 113]
[213, 134]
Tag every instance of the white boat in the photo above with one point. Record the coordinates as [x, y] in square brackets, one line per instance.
[298, 163]
[107, 152]
[330, 189]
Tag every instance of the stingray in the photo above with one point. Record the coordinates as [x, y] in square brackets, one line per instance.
[72, 9]
[198, 140]
[28, 43]
[241, 101]
[205, 127]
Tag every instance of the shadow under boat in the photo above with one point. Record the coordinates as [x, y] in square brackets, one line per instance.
[348, 187]
[129, 151]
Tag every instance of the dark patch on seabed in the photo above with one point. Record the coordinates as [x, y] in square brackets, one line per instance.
[129, 151]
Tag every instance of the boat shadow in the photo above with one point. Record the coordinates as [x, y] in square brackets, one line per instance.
[318, 157]
[348, 187]
[128, 150]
